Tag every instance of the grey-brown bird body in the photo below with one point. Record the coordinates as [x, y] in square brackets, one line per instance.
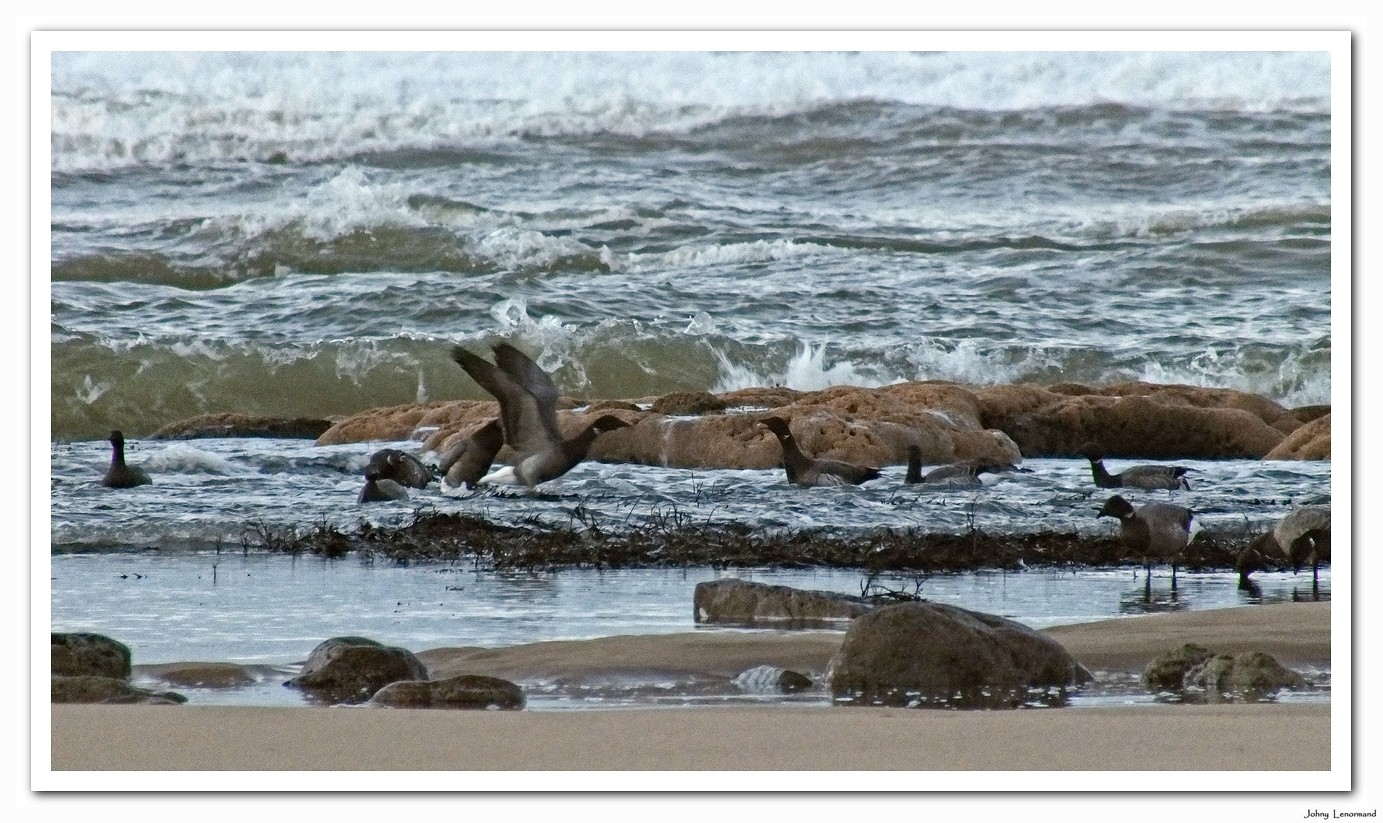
[379, 489]
[953, 474]
[400, 467]
[528, 417]
[1301, 537]
[806, 471]
[1139, 477]
[119, 475]
[466, 462]
[1158, 531]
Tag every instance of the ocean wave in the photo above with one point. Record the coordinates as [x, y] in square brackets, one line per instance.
[114, 110]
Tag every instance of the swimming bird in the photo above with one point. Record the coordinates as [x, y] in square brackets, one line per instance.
[400, 467]
[1140, 477]
[119, 475]
[466, 462]
[953, 474]
[528, 415]
[380, 488]
[804, 471]
[1154, 530]
[1299, 538]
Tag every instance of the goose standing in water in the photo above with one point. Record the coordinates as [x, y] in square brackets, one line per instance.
[465, 463]
[1299, 538]
[1155, 530]
[380, 488]
[954, 474]
[119, 475]
[400, 467]
[528, 416]
[804, 471]
[1139, 477]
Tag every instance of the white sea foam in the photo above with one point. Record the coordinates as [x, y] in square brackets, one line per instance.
[185, 459]
[804, 371]
[115, 108]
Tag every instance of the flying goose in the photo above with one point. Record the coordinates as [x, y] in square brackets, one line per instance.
[528, 415]
[804, 471]
[953, 474]
[1299, 538]
[400, 467]
[466, 462]
[1140, 477]
[1155, 530]
[119, 475]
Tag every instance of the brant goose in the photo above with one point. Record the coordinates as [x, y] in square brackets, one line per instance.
[1139, 477]
[465, 463]
[528, 415]
[804, 471]
[119, 475]
[1154, 530]
[400, 467]
[380, 488]
[1299, 538]
[953, 474]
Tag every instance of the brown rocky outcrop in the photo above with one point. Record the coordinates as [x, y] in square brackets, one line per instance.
[730, 600]
[352, 669]
[1309, 442]
[231, 424]
[464, 691]
[93, 689]
[935, 654]
[687, 402]
[89, 654]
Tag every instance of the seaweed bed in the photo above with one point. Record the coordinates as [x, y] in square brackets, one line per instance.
[674, 541]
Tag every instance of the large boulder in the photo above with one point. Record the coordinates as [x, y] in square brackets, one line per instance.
[352, 669]
[743, 601]
[89, 654]
[465, 691]
[933, 654]
[1309, 442]
[1247, 674]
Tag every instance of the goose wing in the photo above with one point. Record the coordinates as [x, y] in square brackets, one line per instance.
[530, 424]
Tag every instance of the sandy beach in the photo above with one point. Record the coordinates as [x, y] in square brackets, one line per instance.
[1225, 737]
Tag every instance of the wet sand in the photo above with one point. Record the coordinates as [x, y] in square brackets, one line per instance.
[1227, 737]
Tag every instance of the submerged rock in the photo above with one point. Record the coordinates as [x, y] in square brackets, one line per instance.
[92, 689]
[1248, 674]
[89, 654]
[231, 424]
[352, 669]
[932, 654]
[465, 691]
[731, 600]
[1168, 670]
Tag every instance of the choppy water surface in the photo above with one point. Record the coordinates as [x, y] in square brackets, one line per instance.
[307, 234]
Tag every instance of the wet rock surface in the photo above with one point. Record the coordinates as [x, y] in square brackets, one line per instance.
[746, 602]
[352, 669]
[90, 689]
[933, 654]
[465, 691]
[1309, 442]
[89, 654]
[242, 425]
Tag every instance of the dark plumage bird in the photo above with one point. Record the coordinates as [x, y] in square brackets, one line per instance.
[804, 471]
[380, 488]
[400, 467]
[1299, 538]
[1158, 531]
[119, 475]
[953, 474]
[466, 462]
[1138, 477]
[528, 415]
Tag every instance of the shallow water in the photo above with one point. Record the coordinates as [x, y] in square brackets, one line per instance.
[269, 611]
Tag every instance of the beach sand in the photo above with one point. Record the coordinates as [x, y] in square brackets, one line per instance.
[1222, 737]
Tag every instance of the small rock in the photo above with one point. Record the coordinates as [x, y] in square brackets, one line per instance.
[92, 689]
[1167, 671]
[1248, 674]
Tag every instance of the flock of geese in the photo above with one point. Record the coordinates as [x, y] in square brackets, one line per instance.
[528, 425]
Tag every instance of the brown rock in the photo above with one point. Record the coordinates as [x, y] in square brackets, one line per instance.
[1168, 670]
[932, 653]
[404, 694]
[86, 653]
[474, 691]
[352, 669]
[1309, 442]
[200, 675]
[687, 402]
[742, 601]
[1248, 674]
[1306, 414]
[92, 689]
[231, 424]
